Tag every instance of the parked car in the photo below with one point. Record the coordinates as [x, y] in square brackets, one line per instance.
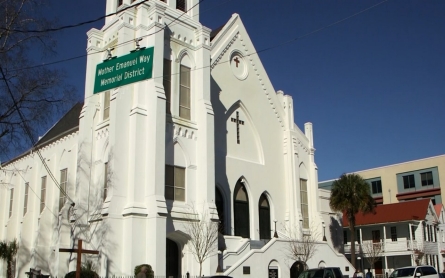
[424, 271]
[325, 272]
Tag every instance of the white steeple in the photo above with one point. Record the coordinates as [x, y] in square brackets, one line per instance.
[191, 7]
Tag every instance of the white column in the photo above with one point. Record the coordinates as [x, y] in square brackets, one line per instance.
[384, 237]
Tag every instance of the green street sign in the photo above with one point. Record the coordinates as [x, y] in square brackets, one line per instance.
[124, 70]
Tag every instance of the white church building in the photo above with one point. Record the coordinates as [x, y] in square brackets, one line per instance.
[183, 118]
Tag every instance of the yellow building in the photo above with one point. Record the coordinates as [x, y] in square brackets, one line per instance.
[410, 180]
[416, 238]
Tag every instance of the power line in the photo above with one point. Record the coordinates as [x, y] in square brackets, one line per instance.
[28, 133]
[323, 28]
[118, 45]
[219, 63]
[29, 186]
[26, 128]
[72, 25]
[259, 51]
[286, 42]
[69, 26]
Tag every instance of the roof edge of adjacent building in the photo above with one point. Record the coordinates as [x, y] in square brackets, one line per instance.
[389, 165]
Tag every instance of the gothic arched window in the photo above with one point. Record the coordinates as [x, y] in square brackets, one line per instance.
[264, 214]
[241, 211]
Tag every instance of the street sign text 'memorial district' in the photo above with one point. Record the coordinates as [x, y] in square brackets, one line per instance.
[124, 70]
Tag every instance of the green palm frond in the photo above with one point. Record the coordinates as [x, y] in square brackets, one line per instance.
[350, 195]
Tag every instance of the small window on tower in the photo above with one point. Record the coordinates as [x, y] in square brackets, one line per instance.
[167, 83]
[181, 5]
[120, 2]
[184, 93]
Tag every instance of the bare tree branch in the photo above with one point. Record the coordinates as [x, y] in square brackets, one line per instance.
[203, 234]
[302, 244]
[40, 94]
[372, 251]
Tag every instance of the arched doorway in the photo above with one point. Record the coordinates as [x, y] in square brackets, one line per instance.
[172, 259]
[264, 217]
[219, 202]
[241, 211]
[296, 269]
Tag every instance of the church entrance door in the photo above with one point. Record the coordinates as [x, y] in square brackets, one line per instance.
[296, 269]
[172, 259]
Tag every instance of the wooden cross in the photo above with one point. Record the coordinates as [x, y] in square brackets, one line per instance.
[236, 61]
[238, 122]
[79, 252]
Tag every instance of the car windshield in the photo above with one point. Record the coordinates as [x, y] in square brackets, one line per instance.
[312, 273]
[404, 272]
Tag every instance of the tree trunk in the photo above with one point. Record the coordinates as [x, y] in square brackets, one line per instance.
[9, 270]
[352, 229]
[200, 269]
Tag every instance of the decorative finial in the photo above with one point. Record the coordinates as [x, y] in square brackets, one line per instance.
[109, 55]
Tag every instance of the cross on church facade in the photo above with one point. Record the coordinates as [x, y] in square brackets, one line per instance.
[238, 123]
[237, 61]
[79, 252]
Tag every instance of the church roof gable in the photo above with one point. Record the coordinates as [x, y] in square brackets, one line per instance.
[67, 124]
[215, 32]
[234, 39]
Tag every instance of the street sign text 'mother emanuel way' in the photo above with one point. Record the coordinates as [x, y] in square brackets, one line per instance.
[124, 70]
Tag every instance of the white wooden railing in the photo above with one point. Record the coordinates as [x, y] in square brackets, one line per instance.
[389, 246]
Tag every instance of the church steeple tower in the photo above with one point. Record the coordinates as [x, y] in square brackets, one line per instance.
[191, 7]
[140, 129]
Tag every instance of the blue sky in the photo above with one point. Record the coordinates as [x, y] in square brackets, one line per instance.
[373, 85]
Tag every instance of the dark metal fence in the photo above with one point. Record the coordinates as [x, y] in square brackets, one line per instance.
[132, 276]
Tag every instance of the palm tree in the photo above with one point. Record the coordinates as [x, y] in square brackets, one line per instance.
[8, 250]
[350, 195]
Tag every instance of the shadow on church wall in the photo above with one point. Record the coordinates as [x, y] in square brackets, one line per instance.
[85, 220]
[336, 232]
[221, 179]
